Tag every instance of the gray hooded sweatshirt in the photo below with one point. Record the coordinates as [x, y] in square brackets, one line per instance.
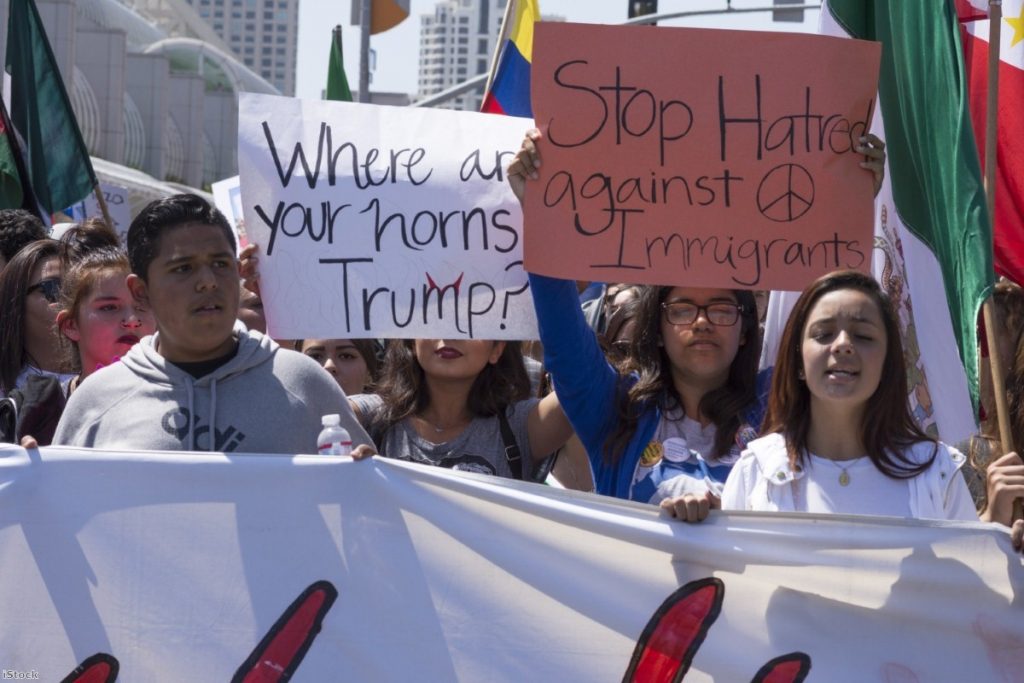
[264, 400]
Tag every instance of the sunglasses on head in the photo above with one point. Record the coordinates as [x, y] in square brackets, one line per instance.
[50, 287]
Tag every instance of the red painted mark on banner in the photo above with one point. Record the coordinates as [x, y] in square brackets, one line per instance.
[676, 631]
[281, 651]
[99, 668]
[790, 668]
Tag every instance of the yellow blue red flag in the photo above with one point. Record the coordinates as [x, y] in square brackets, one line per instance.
[510, 88]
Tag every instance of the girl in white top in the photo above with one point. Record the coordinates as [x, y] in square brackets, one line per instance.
[840, 437]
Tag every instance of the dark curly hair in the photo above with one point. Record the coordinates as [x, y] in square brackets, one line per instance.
[404, 389]
[165, 214]
[17, 229]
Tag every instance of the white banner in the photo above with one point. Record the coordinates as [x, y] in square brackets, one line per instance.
[200, 567]
[377, 221]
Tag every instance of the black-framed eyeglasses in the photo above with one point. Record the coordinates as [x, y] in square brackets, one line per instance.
[50, 287]
[722, 314]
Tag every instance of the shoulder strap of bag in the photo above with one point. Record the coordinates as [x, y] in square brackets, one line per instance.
[512, 454]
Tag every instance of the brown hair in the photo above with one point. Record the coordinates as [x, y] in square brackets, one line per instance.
[78, 282]
[404, 389]
[14, 284]
[887, 426]
[648, 360]
[88, 236]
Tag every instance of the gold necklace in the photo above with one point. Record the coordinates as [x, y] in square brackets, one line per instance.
[844, 474]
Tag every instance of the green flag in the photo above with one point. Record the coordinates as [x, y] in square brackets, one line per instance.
[933, 233]
[337, 83]
[56, 158]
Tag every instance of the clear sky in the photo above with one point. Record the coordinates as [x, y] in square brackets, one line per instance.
[398, 49]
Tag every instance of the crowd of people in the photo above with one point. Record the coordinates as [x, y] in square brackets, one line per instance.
[646, 393]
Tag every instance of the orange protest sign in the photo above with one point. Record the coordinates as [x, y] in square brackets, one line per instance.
[699, 157]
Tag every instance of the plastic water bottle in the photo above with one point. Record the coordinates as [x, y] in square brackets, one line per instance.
[334, 439]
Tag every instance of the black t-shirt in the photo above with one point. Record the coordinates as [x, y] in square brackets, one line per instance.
[203, 368]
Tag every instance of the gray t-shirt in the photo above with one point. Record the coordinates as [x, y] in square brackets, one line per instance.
[479, 448]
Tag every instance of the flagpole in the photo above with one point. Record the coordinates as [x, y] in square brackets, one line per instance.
[995, 15]
[498, 45]
[365, 18]
[101, 200]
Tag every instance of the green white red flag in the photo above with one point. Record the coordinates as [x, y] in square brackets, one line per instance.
[933, 241]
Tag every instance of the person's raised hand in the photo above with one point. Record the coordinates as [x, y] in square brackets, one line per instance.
[1004, 483]
[525, 164]
[248, 264]
[873, 149]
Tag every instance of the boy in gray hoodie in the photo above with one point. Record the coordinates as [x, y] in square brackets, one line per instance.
[202, 382]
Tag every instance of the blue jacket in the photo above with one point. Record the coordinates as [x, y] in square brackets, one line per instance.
[588, 386]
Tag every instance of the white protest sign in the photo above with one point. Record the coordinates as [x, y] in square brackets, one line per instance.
[227, 196]
[117, 205]
[378, 221]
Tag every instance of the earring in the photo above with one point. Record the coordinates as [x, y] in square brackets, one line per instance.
[800, 374]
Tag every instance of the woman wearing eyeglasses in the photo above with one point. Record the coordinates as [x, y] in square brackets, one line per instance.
[29, 289]
[667, 427]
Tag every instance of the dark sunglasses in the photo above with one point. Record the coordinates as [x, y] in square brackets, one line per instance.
[50, 287]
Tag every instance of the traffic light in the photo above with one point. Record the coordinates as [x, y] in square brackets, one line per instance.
[639, 8]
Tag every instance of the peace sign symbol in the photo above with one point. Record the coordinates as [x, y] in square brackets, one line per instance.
[785, 193]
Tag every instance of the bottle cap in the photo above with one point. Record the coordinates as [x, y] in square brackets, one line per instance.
[332, 420]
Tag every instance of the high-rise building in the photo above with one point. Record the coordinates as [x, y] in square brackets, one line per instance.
[456, 43]
[263, 34]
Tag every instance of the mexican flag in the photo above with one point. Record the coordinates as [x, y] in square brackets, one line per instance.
[1008, 221]
[56, 158]
[933, 242]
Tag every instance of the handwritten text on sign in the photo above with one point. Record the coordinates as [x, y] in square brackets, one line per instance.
[383, 221]
[699, 157]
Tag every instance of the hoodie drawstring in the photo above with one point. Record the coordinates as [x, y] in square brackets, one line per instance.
[191, 417]
[213, 414]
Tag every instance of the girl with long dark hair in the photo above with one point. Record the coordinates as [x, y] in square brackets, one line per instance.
[29, 294]
[840, 436]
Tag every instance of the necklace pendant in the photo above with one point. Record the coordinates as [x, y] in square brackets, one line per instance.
[844, 478]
